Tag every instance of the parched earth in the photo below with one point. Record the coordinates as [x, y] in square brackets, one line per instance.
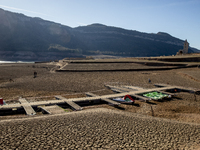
[47, 83]
[98, 128]
[126, 127]
[75, 84]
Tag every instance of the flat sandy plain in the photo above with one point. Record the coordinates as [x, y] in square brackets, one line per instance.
[175, 125]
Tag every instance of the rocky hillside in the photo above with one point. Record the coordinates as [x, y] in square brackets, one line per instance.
[116, 41]
[26, 38]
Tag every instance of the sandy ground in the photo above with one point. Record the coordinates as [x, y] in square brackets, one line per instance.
[75, 84]
[98, 129]
[48, 83]
[101, 129]
[108, 66]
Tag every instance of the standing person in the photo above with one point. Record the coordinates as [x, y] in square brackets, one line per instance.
[149, 80]
[35, 74]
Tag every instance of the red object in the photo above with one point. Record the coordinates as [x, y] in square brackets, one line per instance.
[128, 96]
[1, 101]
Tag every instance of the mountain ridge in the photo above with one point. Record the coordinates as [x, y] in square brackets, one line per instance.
[27, 38]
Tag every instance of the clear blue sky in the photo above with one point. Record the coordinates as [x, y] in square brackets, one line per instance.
[180, 18]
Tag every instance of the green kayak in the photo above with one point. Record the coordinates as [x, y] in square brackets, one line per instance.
[155, 95]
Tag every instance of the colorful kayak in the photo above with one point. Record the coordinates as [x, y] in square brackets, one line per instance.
[125, 99]
[155, 95]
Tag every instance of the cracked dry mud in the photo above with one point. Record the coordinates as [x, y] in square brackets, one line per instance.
[98, 129]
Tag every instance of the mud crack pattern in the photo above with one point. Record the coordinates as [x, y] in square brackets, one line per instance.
[98, 129]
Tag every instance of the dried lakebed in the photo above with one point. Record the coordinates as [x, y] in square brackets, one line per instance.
[98, 129]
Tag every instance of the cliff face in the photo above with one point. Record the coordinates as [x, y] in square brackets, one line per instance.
[117, 41]
[26, 38]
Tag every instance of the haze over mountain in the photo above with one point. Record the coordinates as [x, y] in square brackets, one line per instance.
[26, 38]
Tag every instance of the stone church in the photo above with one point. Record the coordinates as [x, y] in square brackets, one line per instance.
[185, 48]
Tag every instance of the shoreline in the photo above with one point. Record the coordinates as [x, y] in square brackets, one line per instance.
[15, 62]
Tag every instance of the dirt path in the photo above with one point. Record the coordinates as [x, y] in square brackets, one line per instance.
[188, 76]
